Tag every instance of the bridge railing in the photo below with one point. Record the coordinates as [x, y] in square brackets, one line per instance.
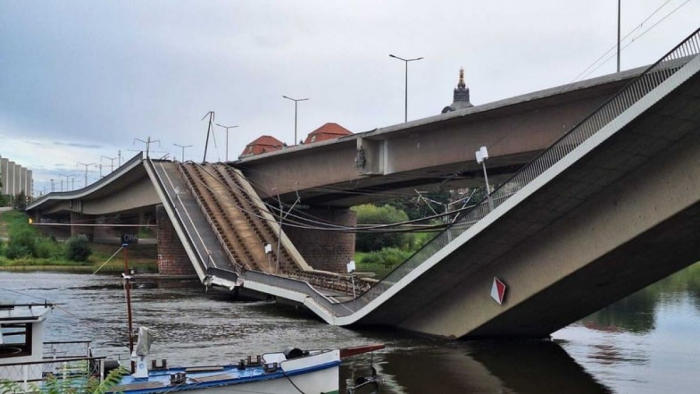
[652, 77]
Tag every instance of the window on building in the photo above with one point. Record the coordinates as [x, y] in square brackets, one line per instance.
[16, 340]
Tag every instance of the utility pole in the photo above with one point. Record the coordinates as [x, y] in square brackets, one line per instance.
[296, 101]
[183, 150]
[227, 129]
[148, 143]
[119, 154]
[86, 170]
[211, 116]
[111, 163]
[52, 183]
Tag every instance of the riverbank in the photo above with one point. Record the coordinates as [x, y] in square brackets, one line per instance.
[104, 257]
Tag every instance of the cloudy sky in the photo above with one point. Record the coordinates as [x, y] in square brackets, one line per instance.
[81, 79]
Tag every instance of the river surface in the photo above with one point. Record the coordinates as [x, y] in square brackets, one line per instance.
[648, 342]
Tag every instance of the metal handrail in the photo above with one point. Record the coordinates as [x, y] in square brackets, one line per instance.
[162, 186]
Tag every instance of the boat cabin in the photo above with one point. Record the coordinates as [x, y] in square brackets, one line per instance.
[21, 337]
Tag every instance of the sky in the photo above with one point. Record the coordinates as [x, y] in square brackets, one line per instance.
[80, 80]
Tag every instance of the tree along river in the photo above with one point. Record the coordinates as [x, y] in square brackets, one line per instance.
[647, 342]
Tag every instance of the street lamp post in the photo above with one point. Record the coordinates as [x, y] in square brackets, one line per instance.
[111, 159]
[227, 129]
[405, 117]
[86, 170]
[67, 178]
[183, 150]
[148, 143]
[481, 155]
[296, 101]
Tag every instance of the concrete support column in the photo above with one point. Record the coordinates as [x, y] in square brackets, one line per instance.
[326, 250]
[76, 219]
[172, 257]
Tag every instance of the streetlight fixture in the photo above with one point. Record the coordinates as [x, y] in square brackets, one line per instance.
[296, 101]
[111, 159]
[227, 129]
[86, 170]
[148, 143]
[406, 61]
[183, 150]
[481, 156]
[67, 178]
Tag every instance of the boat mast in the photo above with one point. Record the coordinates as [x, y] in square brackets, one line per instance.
[127, 289]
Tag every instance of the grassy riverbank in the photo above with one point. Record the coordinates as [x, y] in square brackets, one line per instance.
[48, 254]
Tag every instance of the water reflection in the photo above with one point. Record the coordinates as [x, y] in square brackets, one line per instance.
[644, 343]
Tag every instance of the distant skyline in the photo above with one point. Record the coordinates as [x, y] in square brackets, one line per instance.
[80, 79]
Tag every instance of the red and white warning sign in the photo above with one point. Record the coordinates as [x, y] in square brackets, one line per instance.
[498, 290]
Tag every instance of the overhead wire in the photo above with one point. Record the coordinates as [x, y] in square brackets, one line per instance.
[331, 226]
[641, 34]
[582, 74]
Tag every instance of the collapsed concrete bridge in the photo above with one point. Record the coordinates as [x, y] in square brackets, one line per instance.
[610, 207]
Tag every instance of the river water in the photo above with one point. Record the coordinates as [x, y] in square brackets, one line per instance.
[648, 342]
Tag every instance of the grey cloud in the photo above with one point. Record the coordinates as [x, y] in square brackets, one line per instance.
[77, 145]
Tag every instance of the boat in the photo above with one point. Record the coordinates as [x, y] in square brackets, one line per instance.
[29, 362]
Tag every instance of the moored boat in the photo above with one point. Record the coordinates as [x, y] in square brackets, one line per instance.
[26, 360]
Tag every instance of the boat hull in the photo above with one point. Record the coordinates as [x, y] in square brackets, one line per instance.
[316, 373]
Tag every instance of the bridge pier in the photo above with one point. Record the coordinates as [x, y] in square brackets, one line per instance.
[76, 219]
[326, 250]
[172, 257]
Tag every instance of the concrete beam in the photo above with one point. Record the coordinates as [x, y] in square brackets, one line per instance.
[428, 151]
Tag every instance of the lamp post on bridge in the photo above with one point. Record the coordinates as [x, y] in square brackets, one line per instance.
[111, 163]
[67, 178]
[481, 156]
[86, 170]
[406, 61]
[296, 101]
[183, 150]
[227, 129]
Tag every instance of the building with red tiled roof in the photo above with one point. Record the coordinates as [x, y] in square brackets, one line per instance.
[260, 145]
[328, 131]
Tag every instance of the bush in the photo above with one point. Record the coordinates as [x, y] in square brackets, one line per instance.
[20, 203]
[78, 249]
[388, 257]
[45, 248]
[371, 214]
[21, 239]
[17, 251]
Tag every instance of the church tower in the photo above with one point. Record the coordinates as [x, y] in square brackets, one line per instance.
[460, 96]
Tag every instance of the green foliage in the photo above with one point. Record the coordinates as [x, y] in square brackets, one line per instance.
[21, 202]
[4, 200]
[17, 251]
[26, 241]
[416, 209]
[371, 214]
[78, 249]
[71, 385]
[388, 257]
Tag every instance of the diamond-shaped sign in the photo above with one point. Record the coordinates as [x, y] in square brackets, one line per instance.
[498, 290]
